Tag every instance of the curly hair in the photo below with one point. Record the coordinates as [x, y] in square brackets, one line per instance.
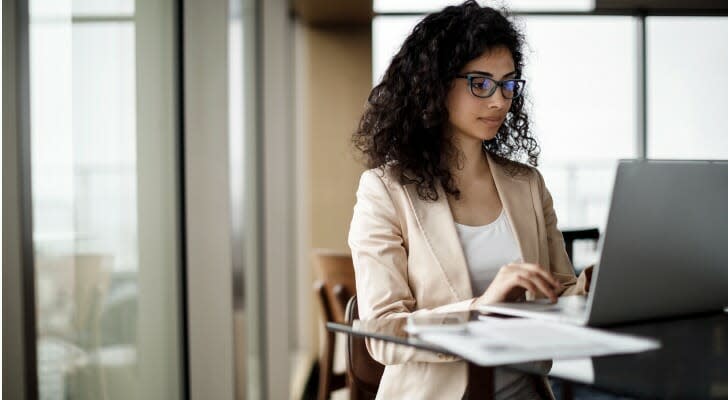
[402, 127]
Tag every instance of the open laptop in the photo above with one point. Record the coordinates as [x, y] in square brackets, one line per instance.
[664, 253]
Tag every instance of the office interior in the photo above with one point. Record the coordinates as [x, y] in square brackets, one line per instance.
[170, 168]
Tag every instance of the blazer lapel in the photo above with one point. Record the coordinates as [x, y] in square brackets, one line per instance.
[517, 199]
[438, 227]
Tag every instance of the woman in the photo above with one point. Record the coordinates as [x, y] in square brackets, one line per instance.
[446, 217]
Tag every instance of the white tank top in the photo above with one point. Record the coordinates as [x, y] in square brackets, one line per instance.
[487, 248]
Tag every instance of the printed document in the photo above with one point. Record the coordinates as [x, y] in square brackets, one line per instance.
[495, 341]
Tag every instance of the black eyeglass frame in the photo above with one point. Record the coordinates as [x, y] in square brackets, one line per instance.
[500, 84]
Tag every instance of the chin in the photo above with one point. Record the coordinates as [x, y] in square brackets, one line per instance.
[484, 134]
[487, 136]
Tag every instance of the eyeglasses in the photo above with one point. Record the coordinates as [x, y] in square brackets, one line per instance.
[483, 87]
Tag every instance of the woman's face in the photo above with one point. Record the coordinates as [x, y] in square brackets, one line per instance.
[473, 118]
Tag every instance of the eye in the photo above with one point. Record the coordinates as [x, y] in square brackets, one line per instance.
[513, 88]
[482, 83]
[510, 85]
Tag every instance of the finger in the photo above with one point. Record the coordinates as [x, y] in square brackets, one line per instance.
[545, 274]
[542, 285]
[526, 284]
[546, 288]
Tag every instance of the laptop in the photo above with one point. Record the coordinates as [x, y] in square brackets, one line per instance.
[664, 251]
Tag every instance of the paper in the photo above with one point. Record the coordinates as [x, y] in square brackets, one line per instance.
[580, 369]
[495, 341]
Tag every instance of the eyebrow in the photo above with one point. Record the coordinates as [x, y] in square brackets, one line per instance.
[488, 74]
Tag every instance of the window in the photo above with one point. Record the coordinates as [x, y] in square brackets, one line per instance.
[687, 87]
[105, 197]
[581, 81]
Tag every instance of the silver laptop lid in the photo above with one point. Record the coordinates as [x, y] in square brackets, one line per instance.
[665, 249]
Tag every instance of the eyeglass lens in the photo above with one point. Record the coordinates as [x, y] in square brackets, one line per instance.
[485, 87]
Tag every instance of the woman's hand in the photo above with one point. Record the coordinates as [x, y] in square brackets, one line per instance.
[513, 280]
[587, 272]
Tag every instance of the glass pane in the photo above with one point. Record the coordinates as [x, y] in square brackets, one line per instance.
[687, 87]
[582, 70]
[103, 151]
[581, 74]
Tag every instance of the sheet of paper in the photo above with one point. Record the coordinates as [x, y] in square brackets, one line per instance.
[580, 369]
[497, 341]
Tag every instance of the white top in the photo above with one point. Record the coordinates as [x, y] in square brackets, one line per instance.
[487, 248]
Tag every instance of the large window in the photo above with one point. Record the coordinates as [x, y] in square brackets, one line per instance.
[105, 199]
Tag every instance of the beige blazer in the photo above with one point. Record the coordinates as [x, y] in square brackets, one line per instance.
[408, 259]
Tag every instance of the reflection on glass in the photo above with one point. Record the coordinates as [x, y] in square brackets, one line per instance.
[93, 299]
[687, 87]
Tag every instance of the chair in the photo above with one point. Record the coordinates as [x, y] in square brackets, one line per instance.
[572, 235]
[334, 287]
[364, 373]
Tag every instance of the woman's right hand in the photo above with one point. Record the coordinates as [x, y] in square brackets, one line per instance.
[514, 279]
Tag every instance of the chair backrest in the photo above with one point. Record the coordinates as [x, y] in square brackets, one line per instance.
[364, 372]
[572, 235]
[335, 275]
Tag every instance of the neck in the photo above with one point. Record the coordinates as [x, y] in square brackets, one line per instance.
[471, 163]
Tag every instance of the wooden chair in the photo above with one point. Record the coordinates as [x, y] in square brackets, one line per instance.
[334, 287]
[363, 372]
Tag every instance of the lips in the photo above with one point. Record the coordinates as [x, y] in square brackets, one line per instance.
[491, 120]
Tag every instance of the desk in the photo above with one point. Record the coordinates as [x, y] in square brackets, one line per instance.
[692, 362]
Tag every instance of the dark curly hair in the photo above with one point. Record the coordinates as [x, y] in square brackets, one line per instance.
[403, 125]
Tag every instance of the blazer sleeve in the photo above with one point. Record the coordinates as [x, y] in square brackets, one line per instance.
[560, 266]
[380, 266]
